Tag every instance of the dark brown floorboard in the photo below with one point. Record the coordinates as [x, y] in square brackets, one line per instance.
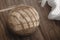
[47, 30]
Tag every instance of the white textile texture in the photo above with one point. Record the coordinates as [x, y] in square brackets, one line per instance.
[55, 11]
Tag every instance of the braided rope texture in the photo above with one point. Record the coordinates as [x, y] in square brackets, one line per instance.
[23, 20]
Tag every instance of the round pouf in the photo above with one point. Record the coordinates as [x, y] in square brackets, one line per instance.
[23, 20]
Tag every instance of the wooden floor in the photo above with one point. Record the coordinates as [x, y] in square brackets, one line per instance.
[47, 30]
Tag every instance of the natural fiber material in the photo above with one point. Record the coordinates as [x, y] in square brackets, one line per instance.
[23, 20]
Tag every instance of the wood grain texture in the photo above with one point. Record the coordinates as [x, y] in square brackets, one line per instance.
[48, 29]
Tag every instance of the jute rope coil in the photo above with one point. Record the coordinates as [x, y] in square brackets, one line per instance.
[22, 20]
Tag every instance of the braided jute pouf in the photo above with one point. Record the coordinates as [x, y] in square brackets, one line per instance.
[23, 20]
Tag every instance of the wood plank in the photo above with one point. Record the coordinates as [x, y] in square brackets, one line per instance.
[2, 31]
[48, 29]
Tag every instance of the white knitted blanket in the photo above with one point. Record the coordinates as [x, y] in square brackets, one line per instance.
[55, 11]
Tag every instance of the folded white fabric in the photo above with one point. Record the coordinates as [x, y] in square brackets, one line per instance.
[55, 11]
